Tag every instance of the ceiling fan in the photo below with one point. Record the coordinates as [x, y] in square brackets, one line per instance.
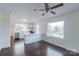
[49, 9]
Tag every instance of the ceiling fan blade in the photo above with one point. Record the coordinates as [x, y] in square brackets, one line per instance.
[53, 12]
[39, 9]
[42, 9]
[56, 6]
[43, 14]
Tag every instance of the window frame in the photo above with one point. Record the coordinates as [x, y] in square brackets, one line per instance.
[57, 36]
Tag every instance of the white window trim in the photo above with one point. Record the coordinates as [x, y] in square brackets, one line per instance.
[58, 36]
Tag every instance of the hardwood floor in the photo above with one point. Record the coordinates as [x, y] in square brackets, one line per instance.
[41, 48]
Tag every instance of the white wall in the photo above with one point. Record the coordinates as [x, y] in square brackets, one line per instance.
[71, 31]
[0, 29]
[4, 29]
[42, 26]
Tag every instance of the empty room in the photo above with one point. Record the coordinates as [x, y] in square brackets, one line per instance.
[39, 29]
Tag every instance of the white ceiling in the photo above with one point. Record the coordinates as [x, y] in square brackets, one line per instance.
[21, 11]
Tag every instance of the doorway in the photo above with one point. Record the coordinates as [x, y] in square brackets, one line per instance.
[17, 38]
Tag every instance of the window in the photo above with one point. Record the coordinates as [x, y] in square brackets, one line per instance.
[56, 29]
[20, 27]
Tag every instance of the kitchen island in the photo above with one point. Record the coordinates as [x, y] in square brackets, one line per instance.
[31, 38]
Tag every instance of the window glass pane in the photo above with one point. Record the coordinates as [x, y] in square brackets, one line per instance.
[56, 29]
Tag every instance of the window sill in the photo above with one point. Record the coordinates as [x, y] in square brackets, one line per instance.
[57, 36]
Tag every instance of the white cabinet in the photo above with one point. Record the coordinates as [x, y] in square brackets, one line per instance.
[32, 38]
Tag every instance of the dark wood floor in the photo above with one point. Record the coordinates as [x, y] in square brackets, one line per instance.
[36, 49]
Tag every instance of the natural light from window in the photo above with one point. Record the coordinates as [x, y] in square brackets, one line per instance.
[56, 29]
[21, 27]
